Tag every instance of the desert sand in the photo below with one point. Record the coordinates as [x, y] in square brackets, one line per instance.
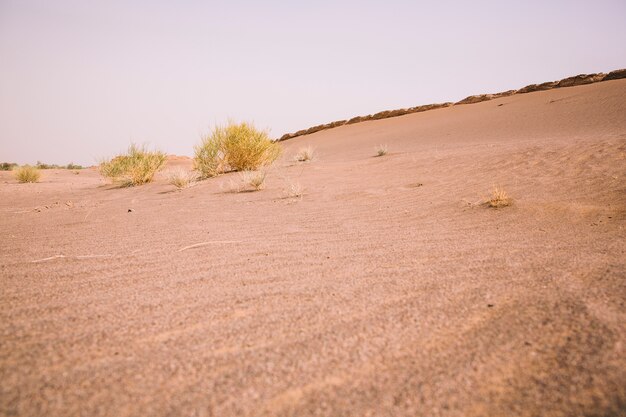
[386, 289]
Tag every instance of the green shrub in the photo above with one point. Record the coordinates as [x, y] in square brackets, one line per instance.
[7, 166]
[136, 167]
[27, 173]
[41, 165]
[209, 159]
[236, 147]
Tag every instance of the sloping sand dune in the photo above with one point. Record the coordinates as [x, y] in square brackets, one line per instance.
[385, 290]
[576, 80]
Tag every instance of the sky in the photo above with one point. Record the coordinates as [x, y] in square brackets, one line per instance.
[80, 80]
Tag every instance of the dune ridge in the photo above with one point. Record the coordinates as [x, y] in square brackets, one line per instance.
[572, 81]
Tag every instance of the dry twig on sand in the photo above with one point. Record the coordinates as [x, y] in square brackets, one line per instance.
[213, 242]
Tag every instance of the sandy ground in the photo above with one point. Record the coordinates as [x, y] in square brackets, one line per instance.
[382, 291]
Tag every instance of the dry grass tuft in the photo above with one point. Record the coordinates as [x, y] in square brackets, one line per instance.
[499, 198]
[27, 173]
[305, 154]
[136, 167]
[294, 190]
[236, 147]
[246, 182]
[381, 150]
[254, 179]
[180, 178]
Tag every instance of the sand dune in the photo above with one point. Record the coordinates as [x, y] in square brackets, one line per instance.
[576, 80]
[385, 290]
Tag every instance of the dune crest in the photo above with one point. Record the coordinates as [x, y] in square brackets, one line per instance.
[573, 81]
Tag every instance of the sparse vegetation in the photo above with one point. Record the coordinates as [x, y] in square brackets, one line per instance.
[8, 166]
[234, 147]
[499, 198]
[293, 190]
[232, 186]
[254, 179]
[181, 178]
[27, 173]
[71, 165]
[305, 154]
[136, 167]
[247, 181]
[381, 150]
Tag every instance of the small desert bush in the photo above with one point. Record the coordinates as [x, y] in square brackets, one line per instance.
[27, 173]
[305, 154]
[381, 150]
[247, 148]
[210, 160]
[499, 198]
[235, 147]
[181, 178]
[136, 167]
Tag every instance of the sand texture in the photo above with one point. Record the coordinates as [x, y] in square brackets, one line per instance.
[386, 289]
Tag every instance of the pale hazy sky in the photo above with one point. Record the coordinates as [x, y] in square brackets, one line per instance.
[80, 80]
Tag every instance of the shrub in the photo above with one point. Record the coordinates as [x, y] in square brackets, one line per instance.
[499, 198]
[247, 148]
[7, 166]
[209, 159]
[381, 150]
[305, 154]
[236, 147]
[27, 174]
[41, 165]
[136, 167]
[181, 178]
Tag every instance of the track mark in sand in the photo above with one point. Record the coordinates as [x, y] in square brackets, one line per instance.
[51, 258]
[213, 242]
[292, 397]
[194, 328]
